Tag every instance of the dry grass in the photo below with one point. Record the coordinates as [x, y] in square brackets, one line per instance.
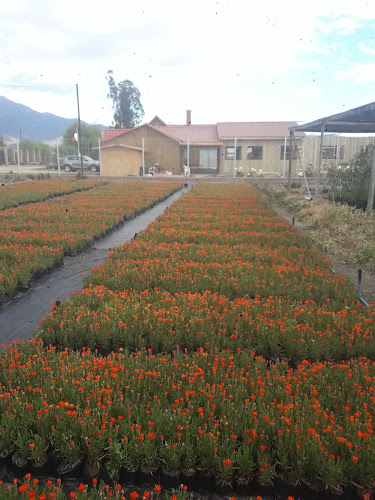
[342, 230]
[335, 228]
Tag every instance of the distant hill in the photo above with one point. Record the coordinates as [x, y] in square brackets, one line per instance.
[33, 125]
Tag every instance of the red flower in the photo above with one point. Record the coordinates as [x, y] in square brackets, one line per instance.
[227, 462]
[157, 488]
[133, 495]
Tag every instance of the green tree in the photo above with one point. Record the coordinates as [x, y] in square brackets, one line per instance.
[2, 142]
[88, 140]
[126, 102]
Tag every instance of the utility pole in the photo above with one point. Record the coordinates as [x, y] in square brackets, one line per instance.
[370, 202]
[79, 130]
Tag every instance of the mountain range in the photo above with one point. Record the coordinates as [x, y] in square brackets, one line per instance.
[15, 117]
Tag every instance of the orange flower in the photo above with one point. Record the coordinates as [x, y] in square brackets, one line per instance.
[227, 462]
[355, 459]
[157, 488]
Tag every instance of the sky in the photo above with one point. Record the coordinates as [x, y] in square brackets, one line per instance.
[225, 60]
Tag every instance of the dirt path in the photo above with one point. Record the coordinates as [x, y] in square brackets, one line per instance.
[338, 265]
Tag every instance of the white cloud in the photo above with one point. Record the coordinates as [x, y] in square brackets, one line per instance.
[310, 91]
[360, 73]
[234, 57]
[365, 49]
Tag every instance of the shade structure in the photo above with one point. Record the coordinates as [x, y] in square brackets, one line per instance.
[359, 120]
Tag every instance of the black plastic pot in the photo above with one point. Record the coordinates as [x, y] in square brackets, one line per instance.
[187, 478]
[55, 461]
[169, 479]
[40, 469]
[70, 472]
[283, 489]
[5, 459]
[105, 351]
[89, 472]
[204, 481]
[359, 491]
[307, 492]
[265, 491]
[245, 487]
[129, 476]
[148, 476]
[19, 465]
[106, 476]
[223, 488]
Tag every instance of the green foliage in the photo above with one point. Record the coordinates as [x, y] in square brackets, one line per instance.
[2, 142]
[88, 140]
[126, 103]
[353, 178]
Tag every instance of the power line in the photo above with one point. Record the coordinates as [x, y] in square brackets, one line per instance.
[36, 86]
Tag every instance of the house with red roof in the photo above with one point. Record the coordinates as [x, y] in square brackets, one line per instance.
[207, 149]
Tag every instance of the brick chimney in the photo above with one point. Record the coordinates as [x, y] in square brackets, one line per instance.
[188, 117]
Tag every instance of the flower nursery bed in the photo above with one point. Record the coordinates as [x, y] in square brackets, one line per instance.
[231, 419]
[35, 237]
[273, 328]
[29, 192]
[241, 364]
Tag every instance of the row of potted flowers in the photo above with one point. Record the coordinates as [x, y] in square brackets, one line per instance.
[97, 317]
[33, 489]
[45, 231]
[231, 415]
[28, 192]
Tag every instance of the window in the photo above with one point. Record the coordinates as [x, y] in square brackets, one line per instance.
[208, 158]
[294, 155]
[229, 153]
[330, 153]
[254, 152]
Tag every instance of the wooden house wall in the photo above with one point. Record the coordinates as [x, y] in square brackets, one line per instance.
[158, 148]
[271, 162]
[120, 161]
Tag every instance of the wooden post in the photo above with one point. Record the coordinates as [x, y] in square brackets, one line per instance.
[319, 161]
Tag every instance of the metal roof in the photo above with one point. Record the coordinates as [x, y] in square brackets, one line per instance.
[195, 133]
[255, 130]
[111, 133]
[357, 120]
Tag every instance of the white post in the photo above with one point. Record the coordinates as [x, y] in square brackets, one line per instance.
[188, 152]
[58, 158]
[143, 156]
[100, 156]
[235, 157]
[284, 157]
[18, 158]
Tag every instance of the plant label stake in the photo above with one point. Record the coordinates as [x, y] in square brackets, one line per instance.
[359, 281]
